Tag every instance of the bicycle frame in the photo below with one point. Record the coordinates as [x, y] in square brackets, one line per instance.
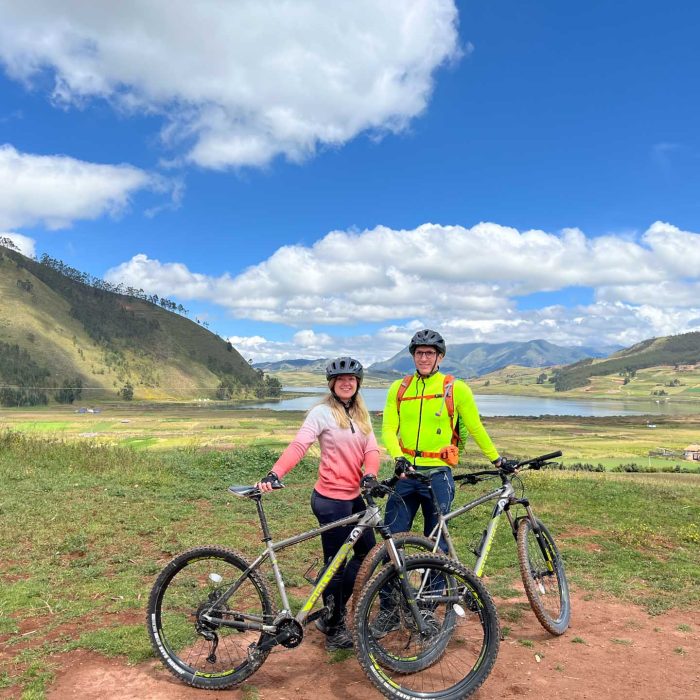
[364, 520]
[504, 496]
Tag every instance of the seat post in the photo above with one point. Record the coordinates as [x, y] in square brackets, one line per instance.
[263, 520]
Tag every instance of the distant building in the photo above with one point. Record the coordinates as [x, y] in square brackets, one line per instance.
[692, 452]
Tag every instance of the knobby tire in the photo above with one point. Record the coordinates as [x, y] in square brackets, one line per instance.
[458, 649]
[544, 577]
[191, 583]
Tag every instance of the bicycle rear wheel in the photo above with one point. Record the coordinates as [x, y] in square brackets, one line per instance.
[544, 578]
[457, 648]
[203, 651]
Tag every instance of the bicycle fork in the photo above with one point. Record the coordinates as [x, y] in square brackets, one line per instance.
[408, 593]
[541, 542]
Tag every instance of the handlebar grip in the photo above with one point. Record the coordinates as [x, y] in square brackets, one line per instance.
[551, 455]
[535, 461]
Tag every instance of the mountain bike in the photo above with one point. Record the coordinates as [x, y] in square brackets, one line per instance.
[541, 566]
[213, 622]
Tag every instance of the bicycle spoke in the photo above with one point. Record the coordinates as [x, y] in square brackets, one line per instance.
[187, 618]
[457, 646]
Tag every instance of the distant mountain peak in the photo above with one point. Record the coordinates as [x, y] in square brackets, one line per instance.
[475, 359]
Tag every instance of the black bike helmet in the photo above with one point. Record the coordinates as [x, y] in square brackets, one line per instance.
[344, 365]
[427, 337]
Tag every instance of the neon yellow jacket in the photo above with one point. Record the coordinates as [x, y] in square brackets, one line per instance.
[424, 427]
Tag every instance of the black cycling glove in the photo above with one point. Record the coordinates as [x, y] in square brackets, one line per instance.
[506, 465]
[270, 478]
[369, 483]
[401, 466]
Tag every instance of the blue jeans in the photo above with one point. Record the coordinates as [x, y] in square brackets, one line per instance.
[340, 587]
[410, 494]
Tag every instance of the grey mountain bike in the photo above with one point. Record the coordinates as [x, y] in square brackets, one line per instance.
[213, 622]
[541, 565]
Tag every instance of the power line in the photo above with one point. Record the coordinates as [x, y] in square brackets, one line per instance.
[98, 388]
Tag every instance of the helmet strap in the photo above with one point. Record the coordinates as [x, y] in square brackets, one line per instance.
[346, 404]
[434, 369]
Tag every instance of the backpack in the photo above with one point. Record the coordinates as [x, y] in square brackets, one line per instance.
[447, 401]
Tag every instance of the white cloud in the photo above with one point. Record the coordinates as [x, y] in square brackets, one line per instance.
[242, 82]
[464, 281]
[596, 325]
[362, 347]
[25, 245]
[309, 339]
[57, 190]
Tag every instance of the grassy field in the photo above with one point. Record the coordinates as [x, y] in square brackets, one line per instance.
[85, 527]
[609, 441]
[87, 522]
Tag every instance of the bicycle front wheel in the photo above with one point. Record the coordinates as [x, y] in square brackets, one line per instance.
[444, 647]
[544, 578]
[406, 542]
[205, 616]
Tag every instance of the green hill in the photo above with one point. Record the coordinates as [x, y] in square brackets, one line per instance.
[62, 331]
[659, 369]
[674, 350]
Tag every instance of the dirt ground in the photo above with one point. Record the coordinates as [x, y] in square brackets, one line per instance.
[612, 650]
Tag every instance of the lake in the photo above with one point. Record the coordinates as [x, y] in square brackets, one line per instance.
[490, 404]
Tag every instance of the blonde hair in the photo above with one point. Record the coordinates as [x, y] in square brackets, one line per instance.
[358, 412]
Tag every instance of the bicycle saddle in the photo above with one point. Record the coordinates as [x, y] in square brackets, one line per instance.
[244, 491]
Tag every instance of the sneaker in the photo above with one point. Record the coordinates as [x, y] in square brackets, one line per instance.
[338, 638]
[387, 621]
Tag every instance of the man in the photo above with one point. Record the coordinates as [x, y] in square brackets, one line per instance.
[424, 416]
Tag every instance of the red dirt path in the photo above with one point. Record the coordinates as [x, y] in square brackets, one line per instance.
[624, 653]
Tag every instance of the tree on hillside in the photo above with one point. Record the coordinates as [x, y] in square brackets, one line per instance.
[226, 389]
[127, 392]
[6, 242]
[273, 386]
[71, 390]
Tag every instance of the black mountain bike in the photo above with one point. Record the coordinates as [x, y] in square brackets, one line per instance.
[212, 620]
[541, 565]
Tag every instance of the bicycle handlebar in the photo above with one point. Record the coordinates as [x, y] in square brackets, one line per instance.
[540, 460]
[388, 484]
[533, 463]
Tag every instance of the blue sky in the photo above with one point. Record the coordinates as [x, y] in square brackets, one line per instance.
[319, 178]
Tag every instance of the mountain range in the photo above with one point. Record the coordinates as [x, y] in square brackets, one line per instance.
[465, 360]
[474, 359]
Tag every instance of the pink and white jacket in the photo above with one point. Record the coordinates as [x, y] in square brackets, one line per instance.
[343, 452]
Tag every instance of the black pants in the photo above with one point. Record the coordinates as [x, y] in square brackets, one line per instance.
[340, 587]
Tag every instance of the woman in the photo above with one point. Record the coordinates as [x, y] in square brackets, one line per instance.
[341, 424]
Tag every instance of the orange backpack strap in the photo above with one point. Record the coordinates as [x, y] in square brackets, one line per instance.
[401, 391]
[448, 393]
